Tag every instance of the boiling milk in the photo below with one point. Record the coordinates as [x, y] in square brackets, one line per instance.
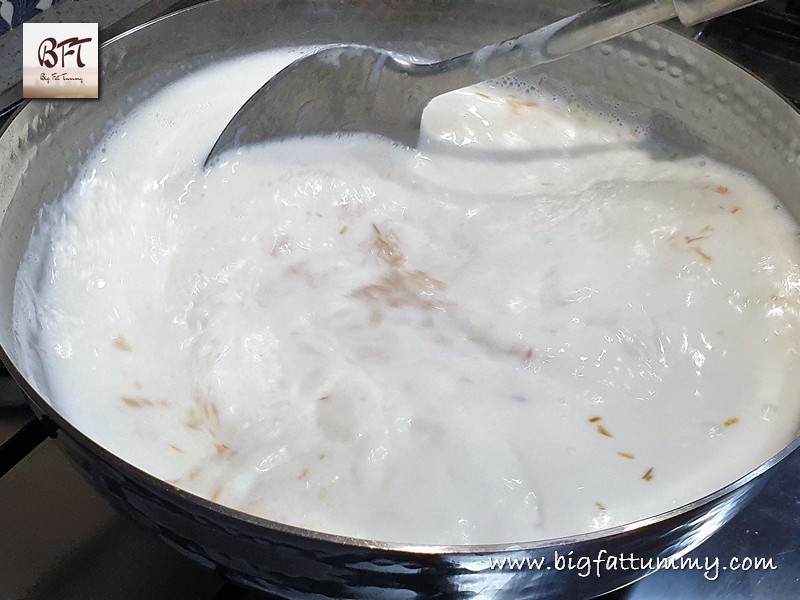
[538, 324]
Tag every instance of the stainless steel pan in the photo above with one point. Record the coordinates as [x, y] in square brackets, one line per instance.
[693, 92]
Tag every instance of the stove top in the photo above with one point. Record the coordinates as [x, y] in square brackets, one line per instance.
[59, 539]
[765, 40]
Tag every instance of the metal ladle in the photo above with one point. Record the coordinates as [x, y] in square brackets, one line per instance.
[352, 89]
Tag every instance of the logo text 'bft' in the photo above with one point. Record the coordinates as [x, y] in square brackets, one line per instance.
[48, 57]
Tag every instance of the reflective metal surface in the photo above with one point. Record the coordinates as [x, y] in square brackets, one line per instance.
[358, 89]
[695, 94]
[769, 527]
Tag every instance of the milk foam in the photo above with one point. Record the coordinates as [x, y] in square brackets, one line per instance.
[539, 324]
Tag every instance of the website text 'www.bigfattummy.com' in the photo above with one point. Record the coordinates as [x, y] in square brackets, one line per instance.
[584, 566]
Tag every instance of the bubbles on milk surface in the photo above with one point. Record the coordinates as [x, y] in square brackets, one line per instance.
[528, 327]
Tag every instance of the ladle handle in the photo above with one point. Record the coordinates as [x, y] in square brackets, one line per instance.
[692, 12]
[559, 39]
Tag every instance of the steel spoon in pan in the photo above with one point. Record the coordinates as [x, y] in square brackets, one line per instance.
[360, 89]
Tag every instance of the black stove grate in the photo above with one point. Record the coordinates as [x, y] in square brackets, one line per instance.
[22, 443]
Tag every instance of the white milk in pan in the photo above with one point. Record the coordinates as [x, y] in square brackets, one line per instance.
[536, 325]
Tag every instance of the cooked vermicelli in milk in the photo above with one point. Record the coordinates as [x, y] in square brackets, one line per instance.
[540, 323]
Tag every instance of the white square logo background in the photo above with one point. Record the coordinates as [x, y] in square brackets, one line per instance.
[60, 60]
